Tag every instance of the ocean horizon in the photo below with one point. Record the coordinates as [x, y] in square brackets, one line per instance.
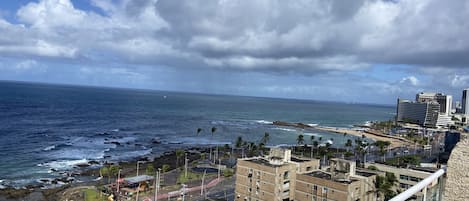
[46, 127]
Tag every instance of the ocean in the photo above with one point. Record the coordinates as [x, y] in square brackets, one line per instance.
[45, 127]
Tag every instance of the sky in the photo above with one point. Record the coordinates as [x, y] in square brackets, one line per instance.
[367, 51]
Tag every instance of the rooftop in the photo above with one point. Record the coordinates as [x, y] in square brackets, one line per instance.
[138, 179]
[265, 162]
[327, 176]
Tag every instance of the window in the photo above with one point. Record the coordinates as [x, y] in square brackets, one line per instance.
[285, 175]
[308, 168]
[315, 188]
[404, 177]
[324, 190]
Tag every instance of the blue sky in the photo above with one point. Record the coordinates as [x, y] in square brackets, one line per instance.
[355, 51]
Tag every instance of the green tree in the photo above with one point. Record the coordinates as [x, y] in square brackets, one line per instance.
[239, 142]
[165, 168]
[179, 154]
[300, 140]
[265, 139]
[348, 144]
[382, 145]
[199, 130]
[113, 170]
[214, 129]
[150, 169]
[104, 171]
[384, 185]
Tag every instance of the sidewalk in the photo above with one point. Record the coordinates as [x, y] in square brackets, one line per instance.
[187, 190]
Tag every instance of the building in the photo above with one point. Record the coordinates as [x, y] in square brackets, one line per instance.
[408, 177]
[281, 177]
[465, 102]
[343, 182]
[271, 177]
[445, 101]
[421, 113]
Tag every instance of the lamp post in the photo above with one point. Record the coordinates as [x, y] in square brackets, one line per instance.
[138, 162]
[118, 187]
[183, 191]
[185, 165]
[157, 183]
[203, 178]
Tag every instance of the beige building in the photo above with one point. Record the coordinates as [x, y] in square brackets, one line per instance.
[270, 178]
[281, 177]
[408, 177]
[343, 182]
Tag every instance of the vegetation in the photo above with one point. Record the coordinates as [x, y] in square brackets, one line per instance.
[382, 145]
[384, 185]
[384, 125]
[371, 167]
[179, 154]
[228, 172]
[150, 170]
[93, 195]
[165, 168]
[403, 161]
[190, 177]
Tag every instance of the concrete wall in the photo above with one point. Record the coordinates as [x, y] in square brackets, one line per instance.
[457, 181]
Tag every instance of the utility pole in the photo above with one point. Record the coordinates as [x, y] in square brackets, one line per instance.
[138, 191]
[157, 181]
[183, 192]
[185, 166]
[203, 178]
[118, 178]
[219, 169]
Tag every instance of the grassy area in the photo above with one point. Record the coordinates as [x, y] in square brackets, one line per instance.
[403, 161]
[93, 195]
[190, 177]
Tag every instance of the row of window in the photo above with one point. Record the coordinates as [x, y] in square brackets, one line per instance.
[410, 178]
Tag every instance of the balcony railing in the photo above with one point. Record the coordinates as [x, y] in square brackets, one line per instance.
[422, 185]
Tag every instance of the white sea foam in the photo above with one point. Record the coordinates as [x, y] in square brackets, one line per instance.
[285, 129]
[313, 125]
[63, 164]
[264, 122]
[313, 134]
[115, 130]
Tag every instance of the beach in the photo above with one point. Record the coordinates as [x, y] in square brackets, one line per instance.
[371, 134]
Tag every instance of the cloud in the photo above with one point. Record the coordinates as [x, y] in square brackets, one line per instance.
[409, 80]
[308, 36]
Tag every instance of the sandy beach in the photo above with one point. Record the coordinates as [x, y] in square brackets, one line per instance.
[372, 134]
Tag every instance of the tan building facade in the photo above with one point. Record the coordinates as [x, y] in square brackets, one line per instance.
[270, 178]
[280, 177]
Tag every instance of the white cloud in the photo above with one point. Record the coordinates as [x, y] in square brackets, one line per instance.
[410, 80]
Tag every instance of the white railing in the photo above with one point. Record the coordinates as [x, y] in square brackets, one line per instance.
[422, 185]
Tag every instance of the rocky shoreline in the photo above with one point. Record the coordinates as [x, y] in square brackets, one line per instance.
[40, 193]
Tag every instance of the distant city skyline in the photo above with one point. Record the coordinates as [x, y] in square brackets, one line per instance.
[356, 51]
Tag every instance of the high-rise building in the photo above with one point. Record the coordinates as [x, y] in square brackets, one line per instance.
[465, 102]
[421, 113]
[445, 101]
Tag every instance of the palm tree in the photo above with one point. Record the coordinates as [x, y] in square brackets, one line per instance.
[300, 139]
[315, 144]
[348, 144]
[214, 129]
[199, 130]
[265, 139]
[179, 154]
[312, 139]
[382, 145]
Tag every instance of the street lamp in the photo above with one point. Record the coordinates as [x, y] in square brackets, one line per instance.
[157, 183]
[118, 179]
[138, 162]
